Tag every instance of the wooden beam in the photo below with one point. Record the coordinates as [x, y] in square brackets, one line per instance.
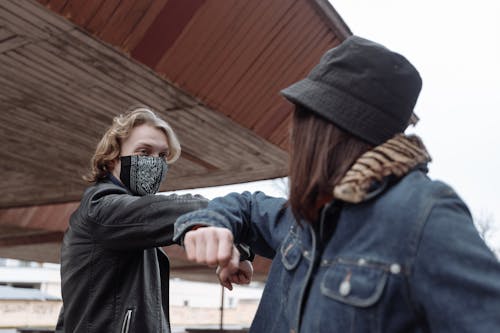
[39, 238]
[53, 217]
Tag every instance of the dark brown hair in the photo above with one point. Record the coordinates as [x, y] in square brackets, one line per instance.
[320, 155]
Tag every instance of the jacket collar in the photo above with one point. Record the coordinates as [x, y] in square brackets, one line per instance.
[374, 170]
[115, 180]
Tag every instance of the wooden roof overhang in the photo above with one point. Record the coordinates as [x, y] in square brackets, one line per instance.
[212, 68]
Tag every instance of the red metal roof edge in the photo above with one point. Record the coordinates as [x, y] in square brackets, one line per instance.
[332, 18]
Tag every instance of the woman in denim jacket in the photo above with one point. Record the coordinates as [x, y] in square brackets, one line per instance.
[366, 242]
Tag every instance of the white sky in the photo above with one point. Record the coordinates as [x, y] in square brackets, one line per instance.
[455, 45]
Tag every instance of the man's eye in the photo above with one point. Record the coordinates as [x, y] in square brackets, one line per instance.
[143, 152]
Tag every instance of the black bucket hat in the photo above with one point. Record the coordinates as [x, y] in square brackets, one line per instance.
[363, 88]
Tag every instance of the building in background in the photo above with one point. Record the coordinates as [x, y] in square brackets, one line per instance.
[30, 296]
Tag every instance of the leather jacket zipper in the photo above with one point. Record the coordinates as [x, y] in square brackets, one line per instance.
[126, 321]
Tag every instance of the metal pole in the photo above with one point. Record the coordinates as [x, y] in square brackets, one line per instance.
[221, 326]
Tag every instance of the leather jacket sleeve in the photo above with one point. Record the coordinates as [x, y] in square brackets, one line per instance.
[121, 221]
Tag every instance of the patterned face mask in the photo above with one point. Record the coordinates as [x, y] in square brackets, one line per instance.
[143, 174]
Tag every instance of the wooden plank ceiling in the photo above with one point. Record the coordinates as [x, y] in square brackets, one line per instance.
[212, 68]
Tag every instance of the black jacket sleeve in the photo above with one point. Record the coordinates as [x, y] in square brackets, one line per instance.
[121, 221]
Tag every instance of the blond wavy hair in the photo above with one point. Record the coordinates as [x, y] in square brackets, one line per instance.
[108, 149]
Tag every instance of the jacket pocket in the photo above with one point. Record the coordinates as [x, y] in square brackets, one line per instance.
[126, 321]
[354, 284]
[291, 251]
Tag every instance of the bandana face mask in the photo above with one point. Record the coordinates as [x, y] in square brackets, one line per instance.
[143, 175]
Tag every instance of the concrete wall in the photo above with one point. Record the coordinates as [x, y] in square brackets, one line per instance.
[29, 313]
[45, 313]
[241, 315]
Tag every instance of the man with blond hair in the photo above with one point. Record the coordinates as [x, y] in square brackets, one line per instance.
[113, 270]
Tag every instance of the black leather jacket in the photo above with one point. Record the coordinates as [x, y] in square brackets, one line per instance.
[114, 275]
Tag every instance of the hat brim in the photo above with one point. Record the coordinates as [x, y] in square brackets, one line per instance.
[341, 108]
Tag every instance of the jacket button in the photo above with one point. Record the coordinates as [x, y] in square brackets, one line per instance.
[345, 288]
[395, 269]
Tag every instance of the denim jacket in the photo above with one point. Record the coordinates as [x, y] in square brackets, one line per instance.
[408, 260]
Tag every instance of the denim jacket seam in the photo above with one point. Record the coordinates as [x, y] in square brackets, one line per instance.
[414, 247]
[295, 242]
[297, 321]
[369, 263]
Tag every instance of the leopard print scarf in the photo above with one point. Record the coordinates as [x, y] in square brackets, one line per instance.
[395, 157]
